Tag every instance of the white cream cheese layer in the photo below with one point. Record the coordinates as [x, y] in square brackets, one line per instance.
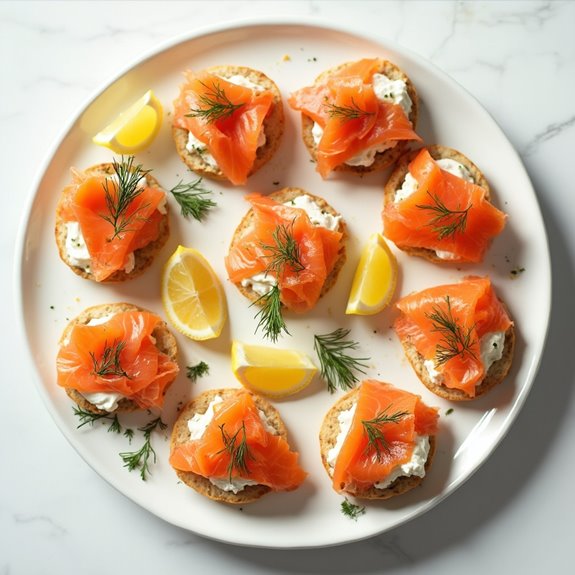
[409, 186]
[76, 249]
[198, 424]
[414, 467]
[107, 401]
[262, 283]
[386, 90]
[195, 145]
[491, 346]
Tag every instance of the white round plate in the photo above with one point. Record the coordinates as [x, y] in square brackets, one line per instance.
[293, 55]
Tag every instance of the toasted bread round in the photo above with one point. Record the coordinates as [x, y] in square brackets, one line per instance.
[382, 159]
[273, 125]
[181, 435]
[165, 342]
[402, 168]
[283, 196]
[494, 376]
[143, 257]
[328, 437]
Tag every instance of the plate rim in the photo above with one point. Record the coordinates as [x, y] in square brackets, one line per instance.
[270, 22]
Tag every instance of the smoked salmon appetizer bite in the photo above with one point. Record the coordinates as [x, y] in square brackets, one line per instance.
[111, 221]
[231, 445]
[287, 251]
[358, 117]
[117, 357]
[378, 441]
[228, 122]
[437, 206]
[459, 337]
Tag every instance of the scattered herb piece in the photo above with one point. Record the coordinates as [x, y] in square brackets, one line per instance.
[351, 510]
[51, 307]
[517, 271]
[215, 104]
[372, 428]
[238, 453]
[454, 341]
[115, 426]
[449, 411]
[193, 199]
[129, 433]
[124, 192]
[87, 417]
[336, 366]
[109, 362]
[270, 315]
[140, 459]
[446, 223]
[198, 370]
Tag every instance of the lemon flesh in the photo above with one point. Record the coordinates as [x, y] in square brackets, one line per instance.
[375, 278]
[192, 295]
[271, 371]
[135, 128]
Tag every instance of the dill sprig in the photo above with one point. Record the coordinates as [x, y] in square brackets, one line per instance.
[238, 450]
[446, 223]
[372, 427]
[119, 200]
[351, 510]
[346, 113]
[270, 315]
[337, 368]
[140, 459]
[109, 362]
[283, 252]
[215, 104]
[88, 418]
[193, 199]
[455, 341]
[198, 370]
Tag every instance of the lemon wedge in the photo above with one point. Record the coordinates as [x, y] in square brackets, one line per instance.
[192, 295]
[133, 129]
[374, 280]
[271, 371]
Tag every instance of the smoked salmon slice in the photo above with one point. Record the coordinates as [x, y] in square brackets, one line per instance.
[112, 227]
[446, 323]
[118, 355]
[226, 117]
[446, 214]
[236, 444]
[353, 119]
[399, 417]
[319, 249]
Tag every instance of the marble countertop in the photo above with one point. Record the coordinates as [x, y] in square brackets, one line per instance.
[514, 514]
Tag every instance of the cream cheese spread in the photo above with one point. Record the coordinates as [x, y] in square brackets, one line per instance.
[262, 283]
[107, 401]
[386, 90]
[414, 467]
[198, 424]
[491, 346]
[409, 186]
[76, 249]
[196, 145]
